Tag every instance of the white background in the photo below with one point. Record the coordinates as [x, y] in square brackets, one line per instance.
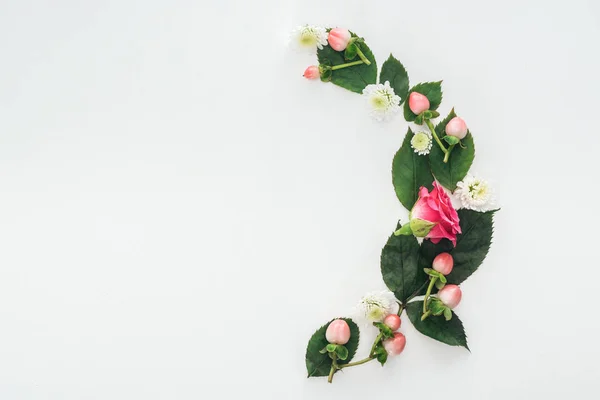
[180, 209]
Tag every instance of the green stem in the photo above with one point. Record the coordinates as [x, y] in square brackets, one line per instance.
[350, 64]
[435, 136]
[424, 316]
[362, 56]
[377, 340]
[447, 156]
[428, 293]
[363, 361]
[400, 309]
[334, 368]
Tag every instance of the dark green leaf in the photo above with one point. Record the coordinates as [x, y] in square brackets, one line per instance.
[410, 171]
[400, 266]
[318, 364]
[459, 163]
[449, 332]
[431, 90]
[354, 78]
[471, 248]
[472, 245]
[393, 71]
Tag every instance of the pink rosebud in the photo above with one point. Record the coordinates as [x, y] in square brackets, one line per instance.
[395, 345]
[338, 38]
[338, 332]
[435, 210]
[450, 295]
[457, 128]
[312, 72]
[393, 321]
[418, 103]
[443, 263]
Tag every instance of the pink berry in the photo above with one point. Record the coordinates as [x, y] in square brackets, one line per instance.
[338, 38]
[393, 321]
[450, 295]
[338, 332]
[443, 263]
[418, 103]
[457, 128]
[395, 345]
[312, 72]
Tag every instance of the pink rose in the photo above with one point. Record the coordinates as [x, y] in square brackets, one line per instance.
[435, 211]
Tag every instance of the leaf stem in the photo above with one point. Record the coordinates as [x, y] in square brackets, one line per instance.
[428, 293]
[363, 361]
[362, 56]
[334, 367]
[377, 340]
[350, 64]
[435, 136]
[447, 156]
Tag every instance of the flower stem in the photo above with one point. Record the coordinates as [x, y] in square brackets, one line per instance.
[447, 156]
[428, 293]
[362, 56]
[377, 340]
[435, 136]
[424, 316]
[363, 361]
[350, 64]
[334, 368]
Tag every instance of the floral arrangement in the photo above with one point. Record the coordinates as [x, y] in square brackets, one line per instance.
[450, 226]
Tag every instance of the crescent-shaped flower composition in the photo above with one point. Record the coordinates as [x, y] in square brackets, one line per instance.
[449, 230]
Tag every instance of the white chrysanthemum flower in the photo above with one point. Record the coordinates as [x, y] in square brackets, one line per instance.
[375, 306]
[421, 143]
[382, 101]
[475, 194]
[309, 38]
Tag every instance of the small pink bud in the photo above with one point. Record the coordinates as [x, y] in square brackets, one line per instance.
[338, 332]
[443, 263]
[395, 345]
[457, 128]
[338, 38]
[450, 295]
[312, 72]
[418, 103]
[393, 321]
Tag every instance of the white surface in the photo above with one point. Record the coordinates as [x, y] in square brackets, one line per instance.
[180, 210]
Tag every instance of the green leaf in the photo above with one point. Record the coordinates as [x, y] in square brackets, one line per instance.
[451, 139]
[471, 248]
[354, 78]
[342, 352]
[449, 332]
[410, 171]
[472, 245]
[382, 354]
[393, 71]
[400, 266]
[318, 364]
[351, 51]
[385, 330]
[447, 314]
[431, 90]
[459, 163]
